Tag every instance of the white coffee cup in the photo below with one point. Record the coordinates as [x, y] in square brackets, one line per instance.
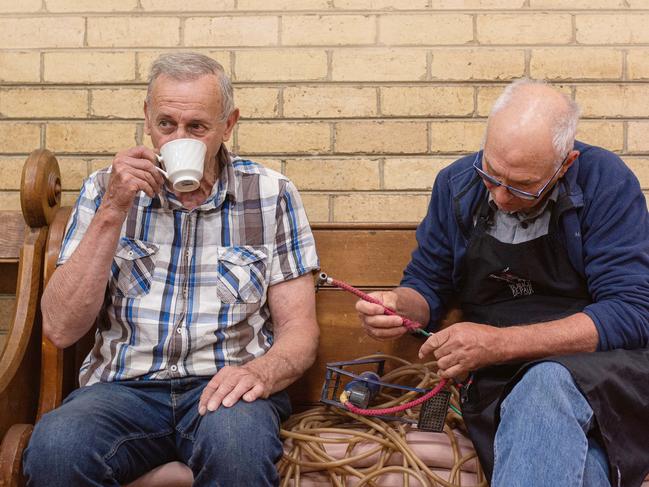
[183, 160]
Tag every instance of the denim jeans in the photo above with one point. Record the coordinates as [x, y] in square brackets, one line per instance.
[111, 433]
[543, 438]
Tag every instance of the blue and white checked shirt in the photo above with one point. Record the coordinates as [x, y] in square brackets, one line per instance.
[187, 293]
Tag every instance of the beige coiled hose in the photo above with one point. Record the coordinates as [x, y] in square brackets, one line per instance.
[311, 430]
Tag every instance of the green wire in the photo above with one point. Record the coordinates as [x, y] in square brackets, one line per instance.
[455, 409]
[426, 334]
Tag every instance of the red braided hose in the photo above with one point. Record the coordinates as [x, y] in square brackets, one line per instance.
[408, 323]
[400, 407]
[411, 325]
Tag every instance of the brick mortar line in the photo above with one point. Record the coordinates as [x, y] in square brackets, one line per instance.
[90, 101]
[315, 120]
[280, 101]
[573, 25]
[43, 135]
[141, 13]
[474, 23]
[41, 66]
[322, 47]
[285, 158]
[330, 209]
[181, 32]
[368, 192]
[436, 83]
[330, 67]
[377, 30]
[481, 86]
[634, 156]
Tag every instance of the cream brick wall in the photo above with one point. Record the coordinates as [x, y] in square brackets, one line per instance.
[360, 102]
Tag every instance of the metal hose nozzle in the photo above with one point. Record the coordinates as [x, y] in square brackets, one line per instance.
[323, 279]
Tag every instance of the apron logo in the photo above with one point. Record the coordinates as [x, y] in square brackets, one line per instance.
[517, 285]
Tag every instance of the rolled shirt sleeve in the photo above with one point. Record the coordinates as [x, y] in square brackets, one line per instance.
[82, 214]
[294, 251]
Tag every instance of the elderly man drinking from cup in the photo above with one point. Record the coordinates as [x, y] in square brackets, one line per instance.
[202, 292]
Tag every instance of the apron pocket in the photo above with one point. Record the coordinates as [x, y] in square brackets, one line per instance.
[241, 276]
[133, 266]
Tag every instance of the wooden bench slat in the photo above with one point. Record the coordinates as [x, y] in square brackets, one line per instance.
[365, 257]
[12, 234]
[8, 277]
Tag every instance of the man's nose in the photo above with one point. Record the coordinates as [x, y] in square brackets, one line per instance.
[501, 195]
[181, 132]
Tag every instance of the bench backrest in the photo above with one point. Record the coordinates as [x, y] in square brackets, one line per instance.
[22, 245]
[12, 234]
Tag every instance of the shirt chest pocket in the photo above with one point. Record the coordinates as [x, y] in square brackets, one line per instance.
[133, 267]
[241, 274]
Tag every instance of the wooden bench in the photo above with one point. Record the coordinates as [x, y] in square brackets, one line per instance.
[22, 248]
[369, 256]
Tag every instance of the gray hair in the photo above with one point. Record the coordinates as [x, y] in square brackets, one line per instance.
[185, 66]
[565, 126]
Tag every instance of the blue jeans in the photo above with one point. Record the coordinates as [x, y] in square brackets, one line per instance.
[543, 435]
[112, 433]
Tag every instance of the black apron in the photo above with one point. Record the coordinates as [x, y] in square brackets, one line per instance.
[533, 282]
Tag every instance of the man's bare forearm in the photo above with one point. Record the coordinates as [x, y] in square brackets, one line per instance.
[75, 292]
[296, 332]
[467, 346]
[574, 334]
[292, 353]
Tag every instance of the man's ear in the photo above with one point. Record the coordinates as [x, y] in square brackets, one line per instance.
[230, 123]
[147, 122]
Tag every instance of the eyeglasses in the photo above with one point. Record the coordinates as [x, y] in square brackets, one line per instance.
[515, 191]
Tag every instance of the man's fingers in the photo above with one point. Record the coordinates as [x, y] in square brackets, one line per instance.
[239, 390]
[429, 346]
[382, 321]
[435, 345]
[217, 397]
[132, 179]
[146, 177]
[441, 352]
[367, 308]
[385, 333]
[143, 169]
[255, 393]
[447, 361]
[148, 166]
[207, 394]
[453, 372]
[227, 387]
[141, 152]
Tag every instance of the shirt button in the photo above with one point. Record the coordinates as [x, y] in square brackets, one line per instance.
[179, 330]
[174, 368]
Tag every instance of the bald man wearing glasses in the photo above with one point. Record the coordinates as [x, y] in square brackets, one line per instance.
[544, 244]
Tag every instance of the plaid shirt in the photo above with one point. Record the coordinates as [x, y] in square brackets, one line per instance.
[187, 293]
